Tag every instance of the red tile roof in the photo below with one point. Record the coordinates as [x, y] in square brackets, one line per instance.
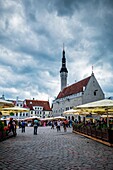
[44, 104]
[74, 88]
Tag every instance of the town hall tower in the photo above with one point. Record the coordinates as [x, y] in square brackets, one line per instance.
[63, 71]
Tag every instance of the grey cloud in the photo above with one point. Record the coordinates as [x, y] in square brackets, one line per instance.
[64, 7]
[87, 35]
[110, 90]
[69, 7]
[40, 56]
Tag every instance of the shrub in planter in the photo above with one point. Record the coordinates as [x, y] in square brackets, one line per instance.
[98, 127]
[74, 125]
[1, 129]
[6, 131]
[1, 126]
[80, 125]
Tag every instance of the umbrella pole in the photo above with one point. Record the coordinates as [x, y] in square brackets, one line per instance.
[18, 117]
[107, 118]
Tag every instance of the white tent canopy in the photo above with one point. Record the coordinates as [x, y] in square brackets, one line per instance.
[105, 103]
[16, 109]
[47, 118]
[4, 103]
[31, 118]
[59, 118]
[71, 111]
[75, 112]
[105, 116]
[104, 106]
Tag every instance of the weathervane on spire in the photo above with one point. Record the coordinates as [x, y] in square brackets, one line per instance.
[92, 69]
[63, 46]
[63, 51]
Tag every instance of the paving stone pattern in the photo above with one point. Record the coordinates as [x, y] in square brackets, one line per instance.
[52, 150]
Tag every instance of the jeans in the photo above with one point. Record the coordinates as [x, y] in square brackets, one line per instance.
[23, 129]
[35, 130]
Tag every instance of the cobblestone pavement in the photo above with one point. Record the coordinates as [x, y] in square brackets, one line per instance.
[52, 150]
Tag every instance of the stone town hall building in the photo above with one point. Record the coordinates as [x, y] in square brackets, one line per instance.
[81, 92]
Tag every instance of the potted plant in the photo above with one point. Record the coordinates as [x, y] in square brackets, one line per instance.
[1, 130]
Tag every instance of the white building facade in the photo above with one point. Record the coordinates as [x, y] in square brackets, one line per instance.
[91, 91]
[81, 92]
[39, 108]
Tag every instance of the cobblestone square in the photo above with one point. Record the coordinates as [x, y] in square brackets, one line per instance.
[52, 150]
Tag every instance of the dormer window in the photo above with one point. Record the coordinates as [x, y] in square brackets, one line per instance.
[84, 88]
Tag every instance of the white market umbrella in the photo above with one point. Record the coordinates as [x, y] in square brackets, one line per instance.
[59, 118]
[53, 118]
[105, 103]
[104, 106]
[105, 116]
[72, 111]
[47, 118]
[5, 103]
[16, 109]
[31, 118]
[75, 112]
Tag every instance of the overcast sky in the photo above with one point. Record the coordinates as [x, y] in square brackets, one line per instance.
[32, 33]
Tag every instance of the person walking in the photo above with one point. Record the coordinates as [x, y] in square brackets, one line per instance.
[70, 123]
[11, 126]
[14, 124]
[58, 125]
[23, 126]
[35, 126]
[19, 124]
[52, 125]
[64, 126]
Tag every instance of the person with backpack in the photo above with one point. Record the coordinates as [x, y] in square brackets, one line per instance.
[35, 126]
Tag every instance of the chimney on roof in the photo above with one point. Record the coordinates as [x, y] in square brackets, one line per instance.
[33, 98]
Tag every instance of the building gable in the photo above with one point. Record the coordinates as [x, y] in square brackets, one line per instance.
[93, 91]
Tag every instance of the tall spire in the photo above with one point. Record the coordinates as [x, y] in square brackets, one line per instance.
[63, 70]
